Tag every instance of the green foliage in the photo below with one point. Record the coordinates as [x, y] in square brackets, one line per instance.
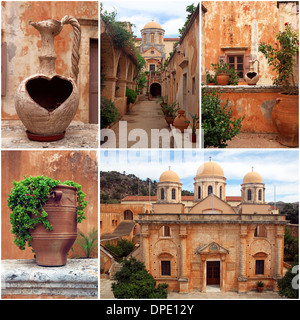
[171, 109]
[291, 246]
[282, 57]
[88, 242]
[291, 212]
[190, 10]
[122, 249]
[216, 121]
[285, 285]
[131, 95]
[109, 113]
[260, 284]
[195, 121]
[135, 282]
[26, 200]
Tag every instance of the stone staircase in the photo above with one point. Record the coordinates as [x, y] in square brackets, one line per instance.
[116, 267]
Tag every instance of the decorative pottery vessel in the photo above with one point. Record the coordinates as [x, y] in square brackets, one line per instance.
[252, 77]
[51, 247]
[180, 122]
[222, 79]
[285, 116]
[47, 102]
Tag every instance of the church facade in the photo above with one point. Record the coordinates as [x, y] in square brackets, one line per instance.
[212, 244]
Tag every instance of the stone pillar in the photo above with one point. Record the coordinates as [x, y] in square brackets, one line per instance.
[183, 279]
[109, 88]
[242, 279]
[121, 92]
[203, 263]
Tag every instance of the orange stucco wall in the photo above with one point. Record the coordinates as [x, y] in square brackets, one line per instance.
[78, 166]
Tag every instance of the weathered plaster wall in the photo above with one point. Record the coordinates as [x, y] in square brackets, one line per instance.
[245, 24]
[78, 166]
[24, 43]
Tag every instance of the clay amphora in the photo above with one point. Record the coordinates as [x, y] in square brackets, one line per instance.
[47, 102]
[285, 116]
[180, 122]
[51, 247]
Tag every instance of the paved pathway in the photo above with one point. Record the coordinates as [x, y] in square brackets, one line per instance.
[78, 136]
[106, 293]
[143, 115]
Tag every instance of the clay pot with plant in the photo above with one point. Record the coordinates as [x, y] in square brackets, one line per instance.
[222, 73]
[282, 58]
[46, 102]
[170, 112]
[260, 286]
[195, 124]
[45, 213]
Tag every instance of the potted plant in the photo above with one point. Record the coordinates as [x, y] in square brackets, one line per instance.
[260, 286]
[195, 123]
[45, 213]
[171, 110]
[282, 57]
[150, 97]
[210, 79]
[222, 72]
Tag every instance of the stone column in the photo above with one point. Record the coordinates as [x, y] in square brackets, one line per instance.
[183, 279]
[121, 92]
[242, 279]
[109, 88]
[203, 263]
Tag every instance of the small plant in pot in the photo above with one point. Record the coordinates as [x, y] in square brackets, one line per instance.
[260, 286]
[282, 57]
[171, 110]
[222, 73]
[195, 123]
[45, 213]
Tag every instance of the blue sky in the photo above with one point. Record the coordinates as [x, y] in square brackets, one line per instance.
[170, 14]
[278, 168]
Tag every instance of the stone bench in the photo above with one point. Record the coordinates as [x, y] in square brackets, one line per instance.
[23, 279]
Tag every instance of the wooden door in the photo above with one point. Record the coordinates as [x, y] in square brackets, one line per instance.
[93, 107]
[213, 272]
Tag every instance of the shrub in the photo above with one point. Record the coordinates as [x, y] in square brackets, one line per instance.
[216, 121]
[131, 95]
[135, 282]
[285, 285]
[109, 113]
[122, 249]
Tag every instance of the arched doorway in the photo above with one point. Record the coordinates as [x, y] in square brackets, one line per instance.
[128, 215]
[155, 89]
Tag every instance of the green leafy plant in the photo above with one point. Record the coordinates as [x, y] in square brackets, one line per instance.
[131, 95]
[109, 113]
[26, 202]
[210, 78]
[195, 121]
[171, 109]
[133, 281]
[87, 242]
[285, 284]
[260, 284]
[221, 67]
[122, 249]
[282, 57]
[217, 124]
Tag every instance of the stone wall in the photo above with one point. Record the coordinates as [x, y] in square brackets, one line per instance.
[254, 102]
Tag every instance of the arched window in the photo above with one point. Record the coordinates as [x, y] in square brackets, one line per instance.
[249, 195]
[199, 192]
[221, 191]
[209, 191]
[173, 194]
[162, 194]
[259, 195]
[152, 38]
[128, 215]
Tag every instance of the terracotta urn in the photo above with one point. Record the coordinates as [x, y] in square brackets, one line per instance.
[180, 122]
[252, 77]
[222, 79]
[47, 102]
[51, 247]
[285, 116]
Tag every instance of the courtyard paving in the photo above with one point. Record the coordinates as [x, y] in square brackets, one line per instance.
[78, 136]
[106, 293]
[143, 115]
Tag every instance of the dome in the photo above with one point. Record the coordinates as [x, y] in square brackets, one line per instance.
[169, 176]
[252, 177]
[152, 25]
[210, 168]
